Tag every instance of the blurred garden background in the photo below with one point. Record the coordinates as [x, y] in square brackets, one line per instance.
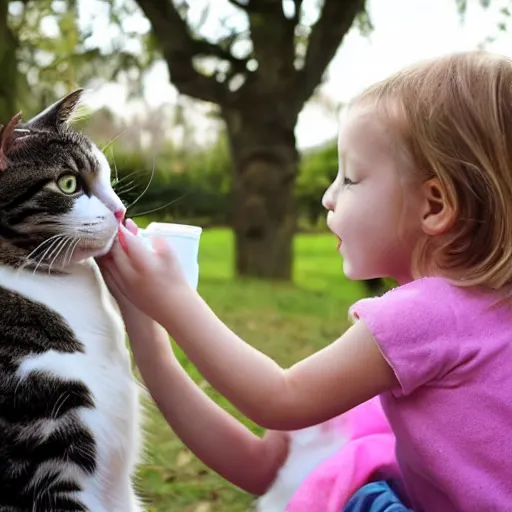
[223, 113]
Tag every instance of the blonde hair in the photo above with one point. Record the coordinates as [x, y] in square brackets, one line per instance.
[454, 117]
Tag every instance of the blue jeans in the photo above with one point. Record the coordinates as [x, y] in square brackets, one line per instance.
[376, 497]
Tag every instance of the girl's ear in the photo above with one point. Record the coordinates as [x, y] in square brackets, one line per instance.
[438, 214]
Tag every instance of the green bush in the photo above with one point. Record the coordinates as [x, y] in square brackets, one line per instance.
[175, 184]
[318, 169]
[196, 185]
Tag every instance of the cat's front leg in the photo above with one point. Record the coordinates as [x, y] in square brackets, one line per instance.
[129, 502]
[121, 500]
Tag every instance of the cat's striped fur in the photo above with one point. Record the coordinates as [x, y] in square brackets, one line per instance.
[69, 434]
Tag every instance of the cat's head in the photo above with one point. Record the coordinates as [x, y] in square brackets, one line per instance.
[57, 205]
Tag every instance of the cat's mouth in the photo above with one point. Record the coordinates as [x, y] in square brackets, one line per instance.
[59, 251]
[97, 236]
[81, 254]
[93, 245]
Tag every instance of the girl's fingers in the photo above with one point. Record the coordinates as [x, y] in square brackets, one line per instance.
[120, 261]
[121, 299]
[134, 249]
[115, 282]
[122, 238]
[106, 262]
[131, 226]
[109, 279]
[161, 246]
[107, 271]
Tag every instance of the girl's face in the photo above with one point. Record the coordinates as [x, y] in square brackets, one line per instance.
[374, 207]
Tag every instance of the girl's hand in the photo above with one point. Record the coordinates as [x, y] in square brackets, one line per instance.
[143, 332]
[127, 308]
[140, 275]
[277, 445]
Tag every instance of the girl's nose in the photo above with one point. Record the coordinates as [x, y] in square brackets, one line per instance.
[328, 199]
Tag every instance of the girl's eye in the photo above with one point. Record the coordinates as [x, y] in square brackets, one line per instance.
[347, 181]
[68, 184]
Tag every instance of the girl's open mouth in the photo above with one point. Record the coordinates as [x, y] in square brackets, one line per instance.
[339, 243]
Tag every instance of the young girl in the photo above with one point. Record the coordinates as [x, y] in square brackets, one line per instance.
[424, 196]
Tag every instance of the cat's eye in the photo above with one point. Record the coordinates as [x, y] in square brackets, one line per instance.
[68, 184]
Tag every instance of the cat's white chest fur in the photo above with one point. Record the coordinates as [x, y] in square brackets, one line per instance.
[82, 299]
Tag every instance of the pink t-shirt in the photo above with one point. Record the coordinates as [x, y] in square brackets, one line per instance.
[451, 350]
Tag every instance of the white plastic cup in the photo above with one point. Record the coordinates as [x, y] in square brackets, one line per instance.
[184, 241]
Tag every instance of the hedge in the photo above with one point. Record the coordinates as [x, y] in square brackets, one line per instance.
[196, 185]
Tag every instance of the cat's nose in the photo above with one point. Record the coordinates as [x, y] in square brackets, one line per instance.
[119, 215]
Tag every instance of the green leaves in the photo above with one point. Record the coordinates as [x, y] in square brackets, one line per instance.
[58, 47]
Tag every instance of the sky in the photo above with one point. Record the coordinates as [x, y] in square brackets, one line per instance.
[405, 31]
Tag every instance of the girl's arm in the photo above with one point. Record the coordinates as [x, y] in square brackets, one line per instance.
[347, 372]
[214, 436]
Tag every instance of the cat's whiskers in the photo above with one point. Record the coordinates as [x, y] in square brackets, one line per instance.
[146, 187]
[70, 250]
[153, 210]
[115, 165]
[117, 181]
[127, 188]
[111, 141]
[139, 214]
[44, 255]
[58, 251]
[56, 247]
[55, 251]
[28, 259]
[67, 255]
[58, 244]
[72, 246]
[127, 177]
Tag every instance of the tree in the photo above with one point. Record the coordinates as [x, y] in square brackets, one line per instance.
[260, 93]
[28, 53]
[8, 65]
[45, 52]
[259, 73]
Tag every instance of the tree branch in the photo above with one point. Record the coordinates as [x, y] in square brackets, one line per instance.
[326, 36]
[273, 37]
[179, 48]
[8, 65]
[206, 48]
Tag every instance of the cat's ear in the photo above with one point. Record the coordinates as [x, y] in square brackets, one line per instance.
[58, 114]
[8, 138]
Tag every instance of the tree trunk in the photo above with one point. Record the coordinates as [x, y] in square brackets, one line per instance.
[261, 113]
[8, 66]
[265, 162]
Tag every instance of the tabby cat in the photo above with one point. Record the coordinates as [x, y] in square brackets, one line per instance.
[69, 417]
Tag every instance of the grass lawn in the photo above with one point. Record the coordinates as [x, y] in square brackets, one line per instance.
[286, 321]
